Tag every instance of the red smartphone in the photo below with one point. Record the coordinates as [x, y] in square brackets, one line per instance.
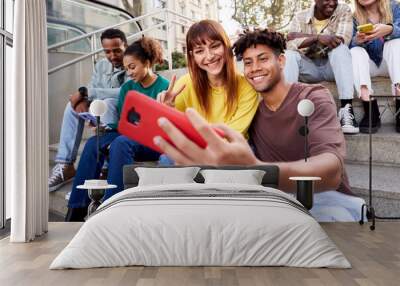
[139, 121]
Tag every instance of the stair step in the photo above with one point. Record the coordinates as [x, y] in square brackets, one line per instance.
[385, 187]
[385, 147]
[381, 86]
[57, 201]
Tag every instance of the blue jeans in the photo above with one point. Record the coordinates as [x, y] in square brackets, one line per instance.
[333, 206]
[72, 129]
[337, 67]
[164, 160]
[122, 151]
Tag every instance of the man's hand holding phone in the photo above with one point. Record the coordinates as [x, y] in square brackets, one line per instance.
[168, 97]
[232, 149]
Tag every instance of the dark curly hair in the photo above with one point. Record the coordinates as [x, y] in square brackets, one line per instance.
[146, 49]
[112, 34]
[274, 40]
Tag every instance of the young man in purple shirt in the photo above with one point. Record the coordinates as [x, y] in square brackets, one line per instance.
[275, 131]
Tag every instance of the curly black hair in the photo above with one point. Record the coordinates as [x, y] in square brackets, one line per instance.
[146, 49]
[112, 34]
[274, 40]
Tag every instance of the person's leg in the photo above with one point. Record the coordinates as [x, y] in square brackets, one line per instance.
[165, 161]
[339, 69]
[363, 69]
[333, 206]
[300, 68]
[70, 138]
[291, 70]
[392, 58]
[88, 169]
[111, 115]
[124, 151]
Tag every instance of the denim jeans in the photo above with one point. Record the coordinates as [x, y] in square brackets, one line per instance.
[337, 67]
[333, 206]
[72, 129]
[122, 151]
[164, 160]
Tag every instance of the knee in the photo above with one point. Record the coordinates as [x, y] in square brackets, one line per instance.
[91, 144]
[392, 45]
[340, 51]
[292, 56]
[69, 109]
[110, 101]
[120, 144]
[358, 52]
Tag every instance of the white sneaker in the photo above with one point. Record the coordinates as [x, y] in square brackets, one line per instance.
[347, 120]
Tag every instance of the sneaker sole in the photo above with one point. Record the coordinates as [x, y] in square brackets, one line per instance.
[55, 188]
[350, 130]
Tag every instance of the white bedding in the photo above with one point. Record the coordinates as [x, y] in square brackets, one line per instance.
[265, 229]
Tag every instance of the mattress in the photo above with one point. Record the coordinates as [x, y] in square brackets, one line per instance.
[201, 225]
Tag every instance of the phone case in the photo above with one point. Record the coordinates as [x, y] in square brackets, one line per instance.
[139, 121]
[365, 28]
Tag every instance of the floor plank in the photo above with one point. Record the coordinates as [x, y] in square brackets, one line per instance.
[374, 255]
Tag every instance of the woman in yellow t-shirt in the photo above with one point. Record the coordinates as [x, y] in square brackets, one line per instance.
[212, 86]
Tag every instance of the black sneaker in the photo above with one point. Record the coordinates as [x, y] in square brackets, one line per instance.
[347, 120]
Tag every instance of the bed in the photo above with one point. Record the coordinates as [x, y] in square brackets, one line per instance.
[201, 223]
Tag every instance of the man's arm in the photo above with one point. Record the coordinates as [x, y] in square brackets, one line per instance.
[326, 165]
[95, 86]
[307, 39]
[234, 150]
[345, 25]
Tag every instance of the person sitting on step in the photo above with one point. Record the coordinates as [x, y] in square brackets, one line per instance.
[376, 53]
[318, 51]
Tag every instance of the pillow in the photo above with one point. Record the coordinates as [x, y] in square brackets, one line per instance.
[163, 176]
[248, 177]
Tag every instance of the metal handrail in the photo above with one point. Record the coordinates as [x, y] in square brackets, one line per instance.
[8, 36]
[73, 40]
[90, 35]
[71, 62]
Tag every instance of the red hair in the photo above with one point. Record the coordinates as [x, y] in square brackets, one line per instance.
[198, 34]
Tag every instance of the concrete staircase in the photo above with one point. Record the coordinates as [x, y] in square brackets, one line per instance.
[58, 199]
[386, 159]
[385, 156]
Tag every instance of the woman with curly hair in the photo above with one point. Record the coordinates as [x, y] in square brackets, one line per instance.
[139, 58]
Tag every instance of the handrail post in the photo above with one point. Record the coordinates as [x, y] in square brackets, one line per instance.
[169, 41]
[93, 48]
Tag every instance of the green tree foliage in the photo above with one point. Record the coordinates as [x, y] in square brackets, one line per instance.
[178, 61]
[269, 13]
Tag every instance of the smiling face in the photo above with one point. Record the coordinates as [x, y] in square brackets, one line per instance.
[326, 7]
[210, 56]
[114, 50]
[135, 68]
[262, 67]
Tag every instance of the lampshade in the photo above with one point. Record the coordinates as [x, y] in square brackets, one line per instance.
[305, 107]
[98, 107]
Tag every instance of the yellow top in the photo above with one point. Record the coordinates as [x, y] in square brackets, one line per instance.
[239, 120]
[320, 24]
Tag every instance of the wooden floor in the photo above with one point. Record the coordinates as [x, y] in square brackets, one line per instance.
[374, 255]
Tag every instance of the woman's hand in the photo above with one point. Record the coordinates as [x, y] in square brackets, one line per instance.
[231, 150]
[379, 31]
[361, 38]
[168, 96]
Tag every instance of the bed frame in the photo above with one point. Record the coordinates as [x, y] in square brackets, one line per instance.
[270, 179]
